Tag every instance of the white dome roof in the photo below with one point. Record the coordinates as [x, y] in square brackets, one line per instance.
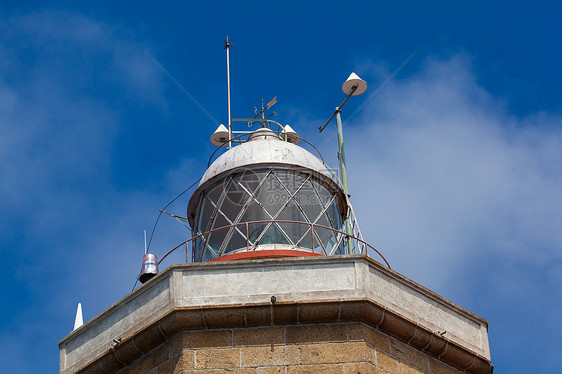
[264, 148]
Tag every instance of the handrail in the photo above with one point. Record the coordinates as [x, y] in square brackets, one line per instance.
[312, 226]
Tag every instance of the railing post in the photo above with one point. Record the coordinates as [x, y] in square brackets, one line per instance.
[312, 233]
[247, 237]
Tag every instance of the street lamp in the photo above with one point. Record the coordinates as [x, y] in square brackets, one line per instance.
[353, 86]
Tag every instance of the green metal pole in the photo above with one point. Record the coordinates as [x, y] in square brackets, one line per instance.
[344, 175]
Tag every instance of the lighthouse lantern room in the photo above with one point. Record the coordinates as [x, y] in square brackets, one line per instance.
[267, 194]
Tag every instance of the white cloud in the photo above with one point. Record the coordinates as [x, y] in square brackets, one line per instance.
[61, 215]
[442, 175]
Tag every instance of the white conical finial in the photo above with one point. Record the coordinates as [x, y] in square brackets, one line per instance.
[78, 321]
[220, 136]
[354, 81]
[289, 135]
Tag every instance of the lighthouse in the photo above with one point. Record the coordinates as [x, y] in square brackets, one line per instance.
[278, 280]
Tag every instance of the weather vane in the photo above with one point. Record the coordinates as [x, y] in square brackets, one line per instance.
[261, 112]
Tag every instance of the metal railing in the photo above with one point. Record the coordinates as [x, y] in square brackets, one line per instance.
[351, 240]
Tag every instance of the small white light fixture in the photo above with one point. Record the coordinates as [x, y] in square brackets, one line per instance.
[149, 267]
[220, 136]
[354, 81]
[290, 135]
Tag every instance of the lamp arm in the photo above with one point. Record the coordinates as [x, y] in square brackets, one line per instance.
[353, 89]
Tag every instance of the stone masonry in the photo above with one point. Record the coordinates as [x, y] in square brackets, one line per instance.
[310, 348]
[340, 314]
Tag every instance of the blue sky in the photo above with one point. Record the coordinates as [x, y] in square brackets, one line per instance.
[454, 165]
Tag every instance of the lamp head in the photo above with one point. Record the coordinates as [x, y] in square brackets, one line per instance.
[288, 134]
[220, 136]
[354, 81]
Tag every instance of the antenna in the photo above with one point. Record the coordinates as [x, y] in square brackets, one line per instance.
[227, 46]
[144, 241]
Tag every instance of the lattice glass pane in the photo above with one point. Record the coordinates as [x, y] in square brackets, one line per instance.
[291, 213]
[255, 230]
[215, 193]
[340, 250]
[251, 179]
[294, 230]
[204, 215]
[305, 239]
[309, 202]
[327, 238]
[255, 212]
[323, 194]
[290, 179]
[324, 234]
[234, 200]
[237, 241]
[274, 235]
[216, 238]
[318, 246]
[323, 221]
[272, 195]
[208, 255]
[333, 214]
